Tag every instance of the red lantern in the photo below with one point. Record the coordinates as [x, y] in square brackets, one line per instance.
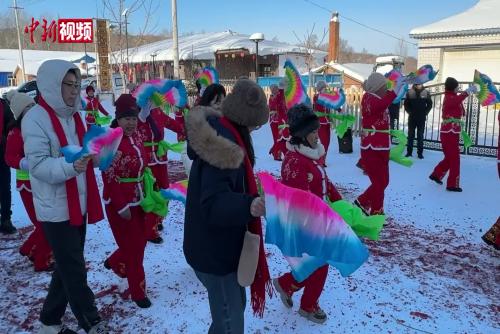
[242, 54]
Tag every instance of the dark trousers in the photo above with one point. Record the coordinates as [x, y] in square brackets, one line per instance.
[418, 124]
[227, 303]
[5, 192]
[69, 280]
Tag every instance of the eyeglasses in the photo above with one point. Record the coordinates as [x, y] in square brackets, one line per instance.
[74, 85]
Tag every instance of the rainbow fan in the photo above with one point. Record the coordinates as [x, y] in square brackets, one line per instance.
[177, 191]
[207, 76]
[393, 78]
[332, 101]
[488, 94]
[295, 91]
[99, 141]
[308, 232]
[424, 74]
[161, 93]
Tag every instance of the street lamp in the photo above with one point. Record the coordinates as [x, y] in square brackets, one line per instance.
[125, 14]
[154, 55]
[257, 37]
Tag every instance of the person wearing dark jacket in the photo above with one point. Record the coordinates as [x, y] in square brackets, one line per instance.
[417, 104]
[222, 202]
[6, 117]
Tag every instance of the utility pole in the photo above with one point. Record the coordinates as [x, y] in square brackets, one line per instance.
[175, 39]
[20, 45]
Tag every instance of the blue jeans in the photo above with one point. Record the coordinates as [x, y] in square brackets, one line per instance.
[227, 303]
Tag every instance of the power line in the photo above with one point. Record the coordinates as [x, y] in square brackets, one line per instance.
[361, 24]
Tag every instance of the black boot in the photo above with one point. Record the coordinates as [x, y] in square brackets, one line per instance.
[454, 189]
[6, 227]
[435, 179]
[408, 154]
[143, 303]
[158, 240]
[420, 155]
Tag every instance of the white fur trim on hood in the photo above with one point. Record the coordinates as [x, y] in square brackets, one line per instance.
[311, 153]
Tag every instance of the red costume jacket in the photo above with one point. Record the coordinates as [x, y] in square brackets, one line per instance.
[130, 163]
[162, 121]
[375, 115]
[302, 169]
[93, 104]
[14, 153]
[452, 108]
[319, 108]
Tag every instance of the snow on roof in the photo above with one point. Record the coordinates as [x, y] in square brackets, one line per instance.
[480, 19]
[204, 45]
[357, 71]
[9, 58]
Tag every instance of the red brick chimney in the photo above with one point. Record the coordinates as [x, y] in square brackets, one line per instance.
[334, 38]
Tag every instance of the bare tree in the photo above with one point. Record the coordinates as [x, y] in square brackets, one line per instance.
[310, 45]
[113, 9]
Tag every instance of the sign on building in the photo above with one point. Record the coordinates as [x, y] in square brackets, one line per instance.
[102, 50]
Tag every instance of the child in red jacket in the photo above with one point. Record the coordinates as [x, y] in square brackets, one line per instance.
[302, 169]
[93, 107]
[375, 141]
[122, 193]
[36, 247]
[453, 111]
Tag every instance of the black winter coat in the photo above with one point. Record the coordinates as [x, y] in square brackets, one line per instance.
[418, 104]
[217, 207]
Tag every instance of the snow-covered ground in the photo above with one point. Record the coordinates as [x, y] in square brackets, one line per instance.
[429, 273]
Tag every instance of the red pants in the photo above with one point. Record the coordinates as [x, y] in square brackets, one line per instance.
[451, 161]
[313, 286]
[324, 136]
[36, 247]
[376, 165]
[127, 260]
[160, 172]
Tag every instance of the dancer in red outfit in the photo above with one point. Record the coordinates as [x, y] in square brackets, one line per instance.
[151, 127]
[273, 116]
[302, 169]
[279, 148]
[122, 194]
[36, 247]
[376, 143]
[453, 111]
[325, 126]
[93, 107]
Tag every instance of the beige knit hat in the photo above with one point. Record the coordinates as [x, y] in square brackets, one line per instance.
[247, 104]
[374, 82]
[18, 102]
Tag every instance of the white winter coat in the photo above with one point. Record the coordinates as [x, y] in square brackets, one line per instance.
[47, 167]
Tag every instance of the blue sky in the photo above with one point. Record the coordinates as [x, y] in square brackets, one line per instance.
[278, 18]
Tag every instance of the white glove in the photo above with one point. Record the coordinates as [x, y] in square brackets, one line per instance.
[23, 164]
[145, 111]
[472, 89]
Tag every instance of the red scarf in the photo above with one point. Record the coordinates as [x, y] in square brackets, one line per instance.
[262, 280]
[94, 208]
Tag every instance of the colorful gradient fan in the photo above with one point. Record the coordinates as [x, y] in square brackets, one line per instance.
[333, 100]
[99, 141]
[161, 93]
[295, 91]
[308, 232]
[424, 74]
[207, 76]
[177, 191]
[488, 94]
[393, 78]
